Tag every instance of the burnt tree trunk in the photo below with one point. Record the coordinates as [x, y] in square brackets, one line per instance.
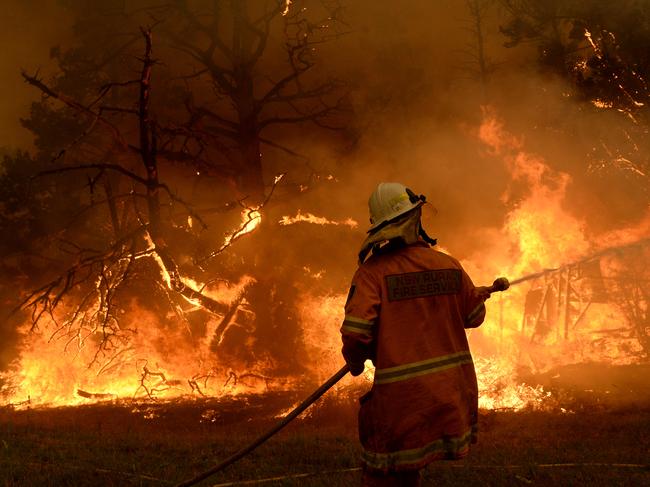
[148, 148]
[112, 207]
[250, 178]
[148, 142]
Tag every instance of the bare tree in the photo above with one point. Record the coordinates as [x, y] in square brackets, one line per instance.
[480, 65]
[129, 146]
[227, 42]
[98, 275]
[596, 47]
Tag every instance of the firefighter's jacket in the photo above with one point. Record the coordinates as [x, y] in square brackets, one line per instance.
[407, 311]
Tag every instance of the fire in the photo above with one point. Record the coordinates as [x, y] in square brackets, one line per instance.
[250, 220]
[562, 310]
[538, 232]
[500, 389]
[152, 363]
[559, 316]
[316, 220]
[68, 362]
[287, 6]
[321, 317]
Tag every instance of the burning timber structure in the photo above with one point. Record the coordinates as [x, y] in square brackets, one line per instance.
[562, 300]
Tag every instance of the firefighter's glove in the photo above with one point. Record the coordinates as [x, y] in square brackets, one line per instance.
[482, 292]
[356, 368]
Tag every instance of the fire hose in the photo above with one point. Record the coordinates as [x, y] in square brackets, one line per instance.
[500, 284]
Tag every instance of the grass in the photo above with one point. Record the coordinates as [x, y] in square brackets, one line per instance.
[162, 444]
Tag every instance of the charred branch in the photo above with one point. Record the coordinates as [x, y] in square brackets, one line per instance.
[246, 106]
[252, 214]
[95, 116]
[226, 321]
[147, 182]
[234, 378]
[46, 298]
[206, 302]
[317, 115]
[153, 383]
[94, 395]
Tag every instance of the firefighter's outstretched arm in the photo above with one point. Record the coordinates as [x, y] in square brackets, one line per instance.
[478, 296]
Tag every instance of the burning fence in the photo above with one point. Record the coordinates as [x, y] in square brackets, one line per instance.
[585, 299]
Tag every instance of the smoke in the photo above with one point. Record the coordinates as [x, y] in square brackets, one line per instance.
[415, 102]
[31, 30]
[416, 112]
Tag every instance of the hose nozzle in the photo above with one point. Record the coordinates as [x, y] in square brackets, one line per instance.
[499, 284]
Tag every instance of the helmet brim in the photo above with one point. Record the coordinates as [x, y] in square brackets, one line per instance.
[393, 218]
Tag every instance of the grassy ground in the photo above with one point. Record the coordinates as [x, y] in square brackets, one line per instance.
[162, 444]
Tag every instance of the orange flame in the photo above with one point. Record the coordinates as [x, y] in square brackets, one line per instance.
[538, 233]
[316, 220]
[250, 220]
[157, 357]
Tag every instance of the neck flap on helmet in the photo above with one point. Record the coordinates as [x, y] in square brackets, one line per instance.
[404, 230]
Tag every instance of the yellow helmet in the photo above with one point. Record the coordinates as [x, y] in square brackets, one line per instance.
[389, 201]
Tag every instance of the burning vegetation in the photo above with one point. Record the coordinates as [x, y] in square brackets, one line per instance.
[188, 216]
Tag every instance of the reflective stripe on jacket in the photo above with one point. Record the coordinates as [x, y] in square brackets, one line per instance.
[407, 311]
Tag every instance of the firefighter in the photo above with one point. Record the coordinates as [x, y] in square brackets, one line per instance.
[407, 311]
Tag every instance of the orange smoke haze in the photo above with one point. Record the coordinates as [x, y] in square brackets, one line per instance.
[513, 196]
[30, 30]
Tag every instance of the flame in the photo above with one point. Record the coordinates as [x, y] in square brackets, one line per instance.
[500, 389]
[287, 6]
[316, 220]
[590, 39]
[154, 361]
[150, 357]
[250, 220]
[322, 317]
[539, 233]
